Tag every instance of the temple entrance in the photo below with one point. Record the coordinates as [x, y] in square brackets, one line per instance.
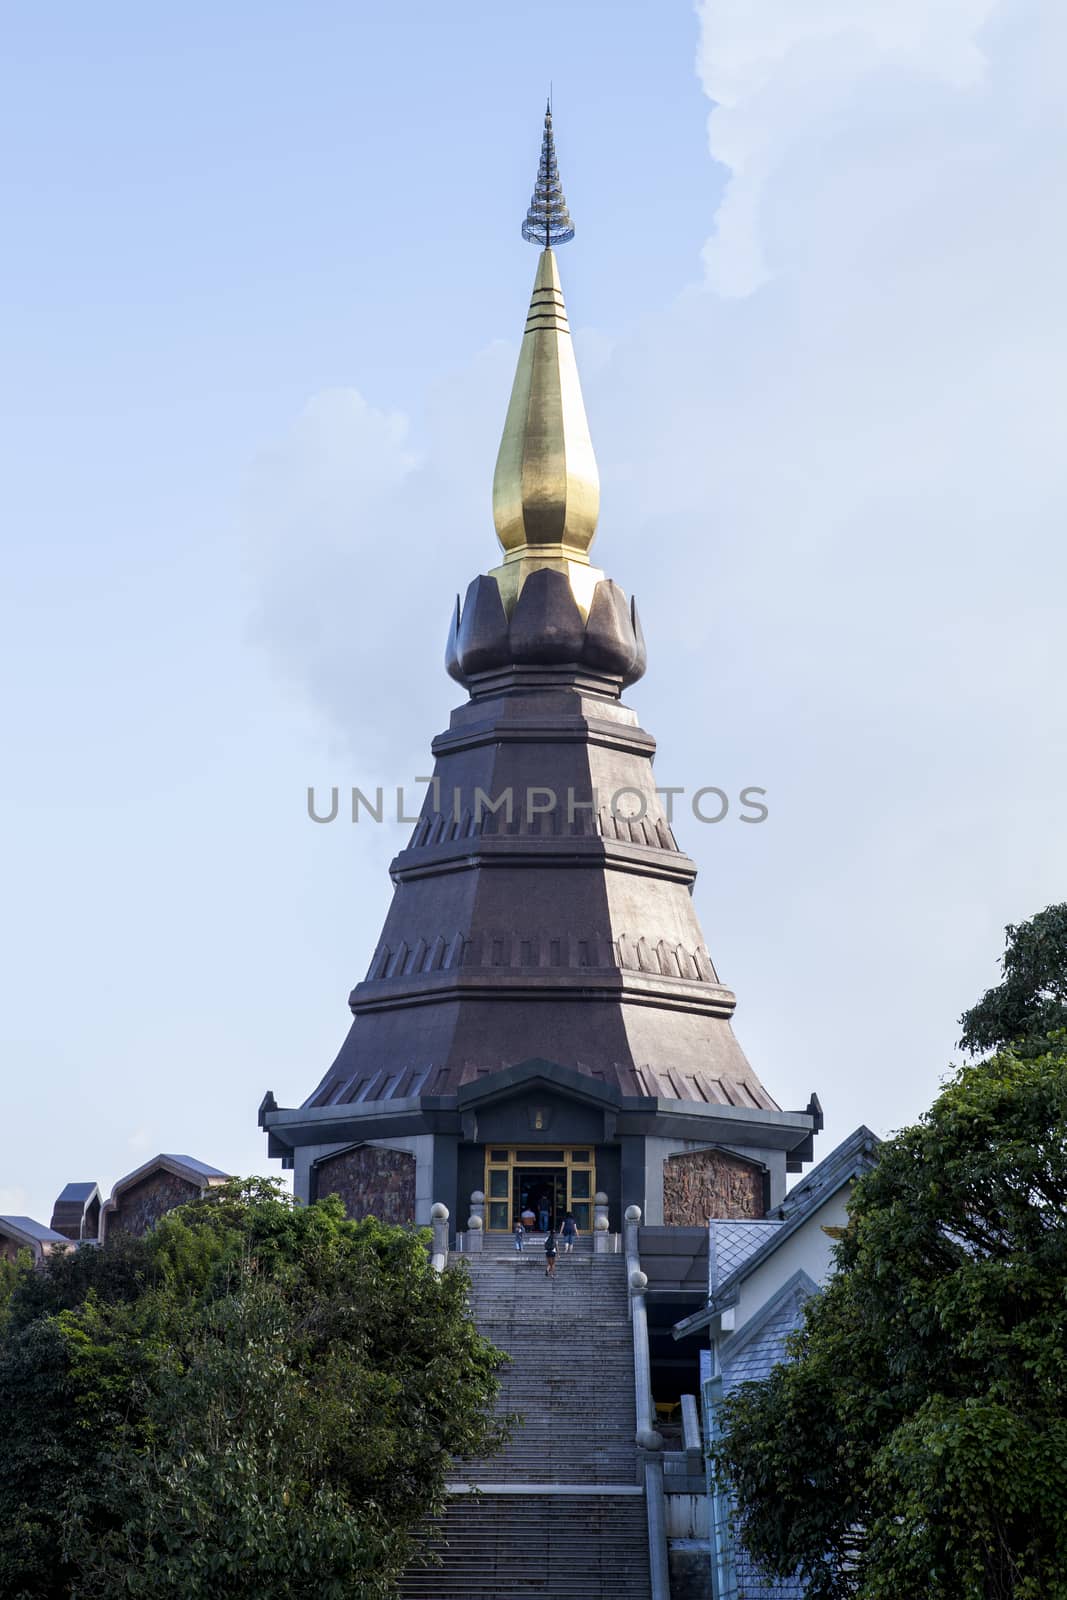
[540, 1193]
[538, 1187]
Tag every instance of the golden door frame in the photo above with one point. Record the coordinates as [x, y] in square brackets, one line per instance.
[576, 1162]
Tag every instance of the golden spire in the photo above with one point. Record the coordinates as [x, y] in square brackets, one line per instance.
[546, 489]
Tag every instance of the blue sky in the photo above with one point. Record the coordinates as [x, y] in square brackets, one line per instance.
[262, 295]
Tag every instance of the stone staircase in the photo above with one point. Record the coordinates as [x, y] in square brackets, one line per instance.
[556, 1547]
[559, 1513]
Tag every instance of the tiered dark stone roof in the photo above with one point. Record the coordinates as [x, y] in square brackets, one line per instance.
[568, 934]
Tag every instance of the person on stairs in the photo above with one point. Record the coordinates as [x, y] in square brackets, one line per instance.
[570, 1233]
[551, 1252]
[542, 1213]
[520, 1236]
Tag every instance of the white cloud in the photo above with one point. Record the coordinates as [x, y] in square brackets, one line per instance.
[784, 76]
[354, 536]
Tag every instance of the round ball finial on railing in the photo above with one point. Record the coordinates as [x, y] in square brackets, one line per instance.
[638, 1281]
[649, 1439]
[600, 1198]
[475, 1223]
[633, 1213]
[438, 1212]
[600, 1225]
[477, 1197]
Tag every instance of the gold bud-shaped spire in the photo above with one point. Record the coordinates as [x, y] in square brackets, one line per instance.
[546, 489]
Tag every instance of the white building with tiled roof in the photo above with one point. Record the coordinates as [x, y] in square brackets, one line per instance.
[760, 1273]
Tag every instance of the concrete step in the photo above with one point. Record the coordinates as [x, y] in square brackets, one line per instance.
[570, 1373]
[562, 1547]
[500, 1244]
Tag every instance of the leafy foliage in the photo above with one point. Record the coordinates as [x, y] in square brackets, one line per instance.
[11, 1275]
[1031, 1003]
[258, 1398]
[917, 1444]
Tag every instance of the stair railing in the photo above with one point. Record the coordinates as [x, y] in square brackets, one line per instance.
[649, 1440]
[439, 1242]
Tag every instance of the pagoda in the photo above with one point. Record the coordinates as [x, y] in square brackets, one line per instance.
[541, 1022]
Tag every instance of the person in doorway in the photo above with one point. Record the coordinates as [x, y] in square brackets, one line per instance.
[542, 1213]
[551, 1252]
[520, 1237]
[569, 1233]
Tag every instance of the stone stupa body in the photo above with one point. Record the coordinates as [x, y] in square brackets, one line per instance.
[541, 1018]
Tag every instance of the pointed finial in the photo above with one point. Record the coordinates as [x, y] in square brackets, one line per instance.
[546, 490]
[548, 221]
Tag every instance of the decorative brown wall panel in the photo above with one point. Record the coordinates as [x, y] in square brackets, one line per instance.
[371, 1182]
[710, 1183]
[141, 1207]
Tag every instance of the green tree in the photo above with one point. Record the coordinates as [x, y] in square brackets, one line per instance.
[916, 1445]
[1031, 1003]
[11, 1275]
[257, 1399]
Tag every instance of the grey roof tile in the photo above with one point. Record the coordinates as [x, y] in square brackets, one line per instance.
[731, 1244]
[766, 1348]
[75, 1192]
[197, 1166]
[35, 1230]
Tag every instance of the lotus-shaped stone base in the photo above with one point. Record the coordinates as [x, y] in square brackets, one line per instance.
[546, 628]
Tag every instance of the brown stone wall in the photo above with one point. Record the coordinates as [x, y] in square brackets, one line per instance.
[141, 1207]
[371, 1182]
[710, 1183]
